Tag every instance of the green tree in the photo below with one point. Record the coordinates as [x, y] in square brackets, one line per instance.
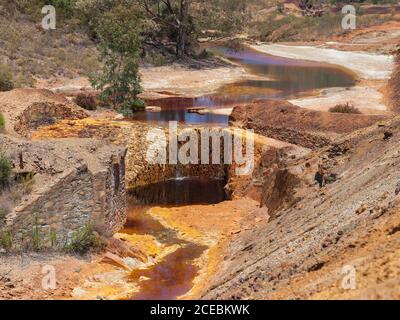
[120, 45]
[173, 19]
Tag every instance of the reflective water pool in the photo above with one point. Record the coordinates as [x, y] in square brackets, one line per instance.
[275, 78]
[182, 191]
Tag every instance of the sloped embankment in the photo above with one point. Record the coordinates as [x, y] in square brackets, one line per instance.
[27, 109]
[353, 221]
[284, 121]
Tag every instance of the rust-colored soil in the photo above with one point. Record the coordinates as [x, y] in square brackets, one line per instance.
[283, 121]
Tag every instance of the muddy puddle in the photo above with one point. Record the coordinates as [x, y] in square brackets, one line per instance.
[275, 78]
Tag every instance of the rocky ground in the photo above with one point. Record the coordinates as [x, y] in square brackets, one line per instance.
[208, 226]
[284, 121]
[351, 221]
[21, 276]
[91, 278]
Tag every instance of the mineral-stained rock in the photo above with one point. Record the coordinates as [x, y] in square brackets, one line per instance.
[113, 259]
[123, 249]
[27, 109]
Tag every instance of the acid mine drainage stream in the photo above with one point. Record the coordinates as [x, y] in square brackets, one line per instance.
[174, 275]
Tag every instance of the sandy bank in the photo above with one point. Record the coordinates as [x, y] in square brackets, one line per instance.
[183, 81]
[374, 69]
[365, 65]
[165, 81]
[367, 100]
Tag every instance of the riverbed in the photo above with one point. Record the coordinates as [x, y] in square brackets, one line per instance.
[269, 77]
[183, 224]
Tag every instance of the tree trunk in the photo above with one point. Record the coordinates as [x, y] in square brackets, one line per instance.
[182, 28]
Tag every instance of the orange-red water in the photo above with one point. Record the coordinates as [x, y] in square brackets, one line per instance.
[170, 278]
[173, 276]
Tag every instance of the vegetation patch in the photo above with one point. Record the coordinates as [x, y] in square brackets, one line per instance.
[5, 171]
[84, 241]
[120, 47]
[277, 27]
[6, 241]
[6, 79]
[345, 108]
[2, 122]
[85, 101]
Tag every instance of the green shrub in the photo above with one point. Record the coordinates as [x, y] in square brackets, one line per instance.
[6, 79]
[5, 171]
[3, 214]
[53, 238]
[204, 54]
[344, 108]
[120, 47]
[137, 104]
[2, 121]
[84, 241]
[87, 102]
[157, 59]
[127, 112]
[6, 240]
[65, 8]
[65, 4]
[36, 236]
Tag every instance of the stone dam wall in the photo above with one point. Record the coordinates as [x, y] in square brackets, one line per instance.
[74, 186]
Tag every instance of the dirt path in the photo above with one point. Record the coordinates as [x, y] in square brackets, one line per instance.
[369, 100]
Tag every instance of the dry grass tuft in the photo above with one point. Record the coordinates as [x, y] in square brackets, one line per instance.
[345, 108]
